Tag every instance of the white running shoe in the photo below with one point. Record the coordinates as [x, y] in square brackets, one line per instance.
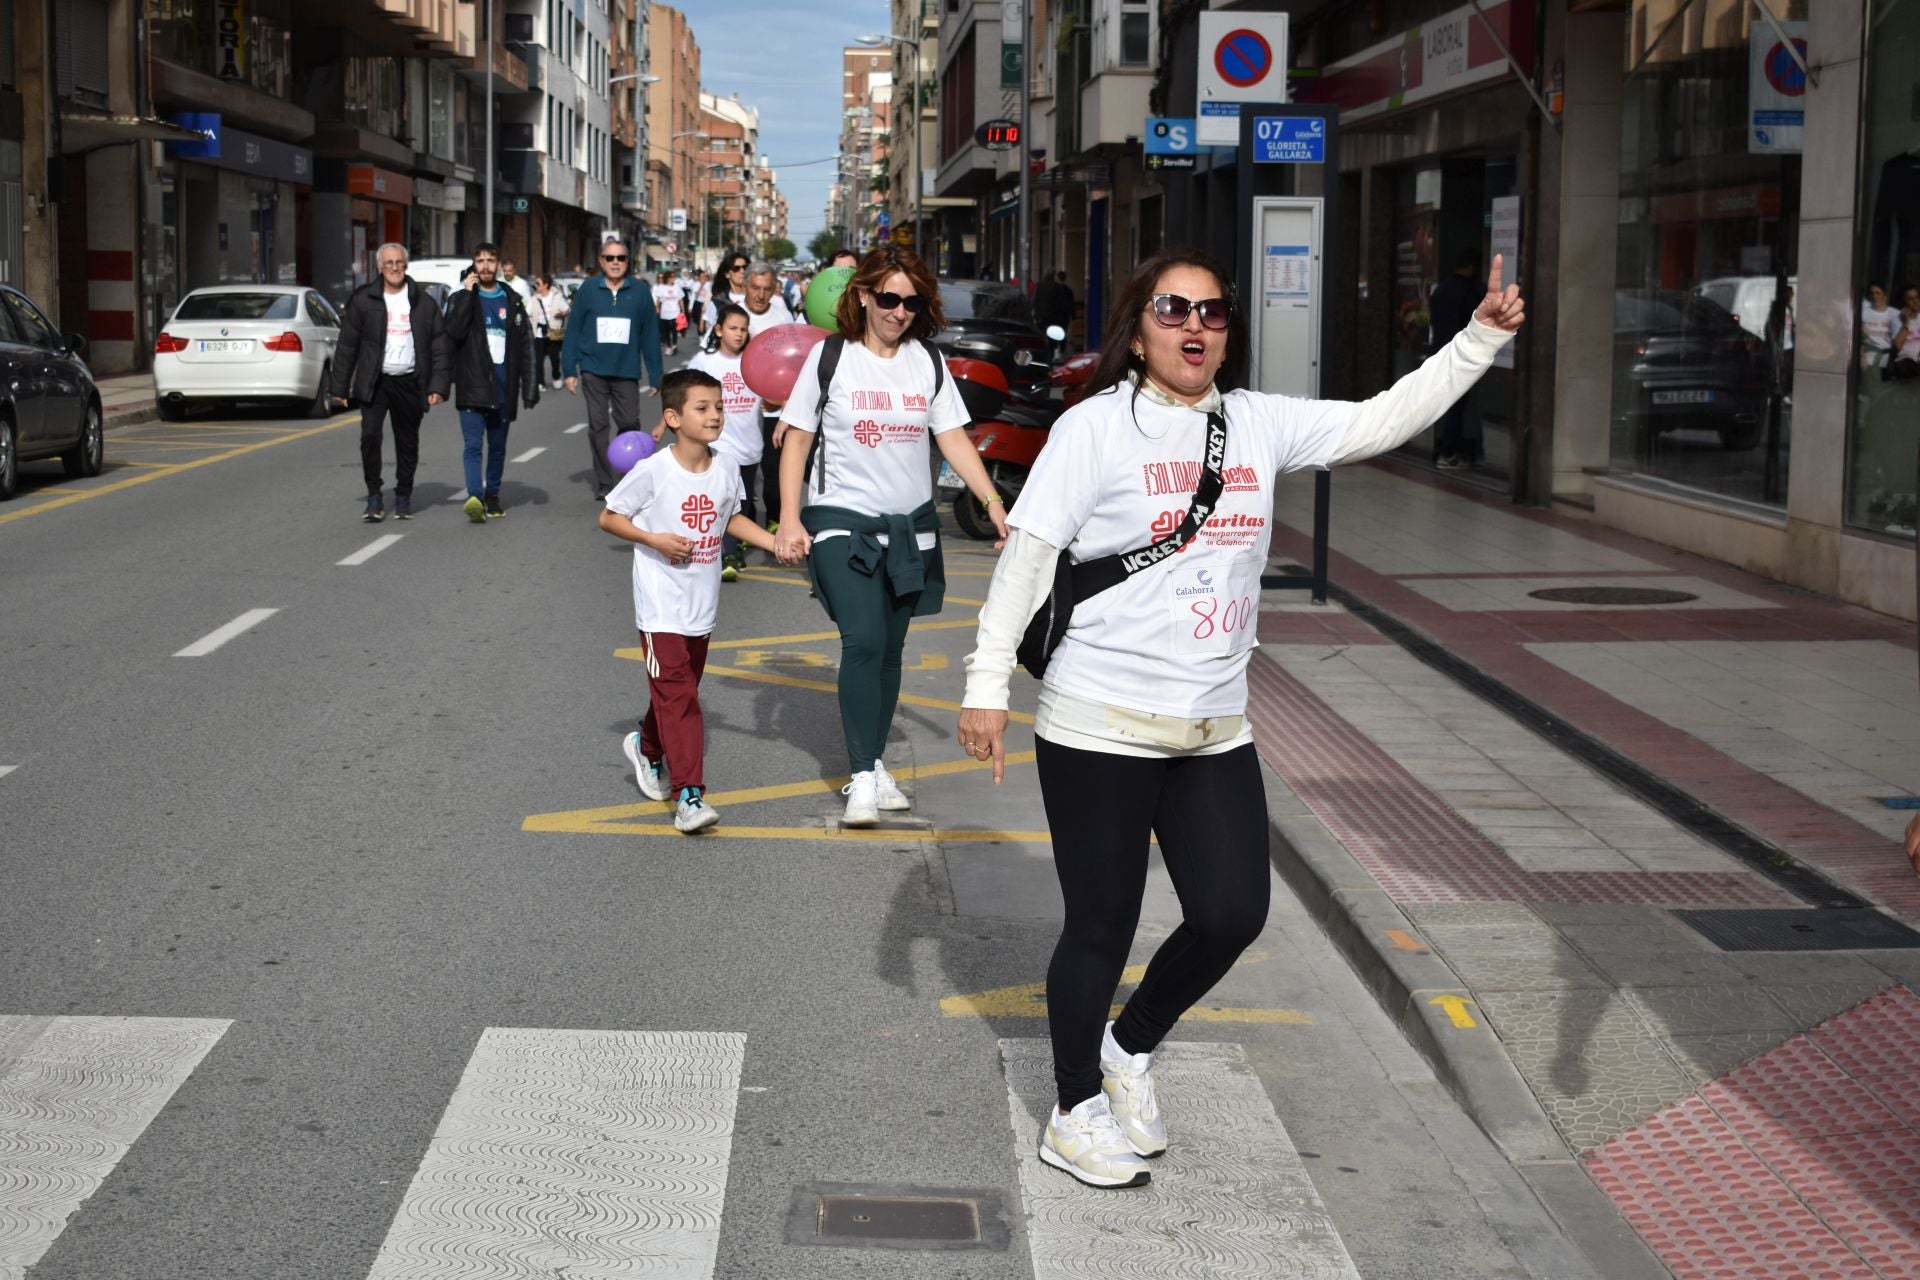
[887, 793]
[650, 774]
[863, 801]
[693, 814]
[1089, 1144]
[1127, 1082]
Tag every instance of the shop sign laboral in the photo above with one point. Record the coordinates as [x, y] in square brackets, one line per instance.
[1456, 50]
[230, 38]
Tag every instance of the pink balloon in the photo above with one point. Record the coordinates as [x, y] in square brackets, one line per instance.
[771, 363]
[627, 450]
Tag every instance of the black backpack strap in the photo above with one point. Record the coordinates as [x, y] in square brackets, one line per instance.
[831, 348]
[939, 373]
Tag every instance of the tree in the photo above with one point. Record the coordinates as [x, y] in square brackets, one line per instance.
[823, 244]
[777, 249]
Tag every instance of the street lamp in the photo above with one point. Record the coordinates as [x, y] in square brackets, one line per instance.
[673, 185]
[642, 77]
[919, 180]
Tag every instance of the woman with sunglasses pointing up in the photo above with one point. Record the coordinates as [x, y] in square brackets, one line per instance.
[855, 455]
[1131, 586]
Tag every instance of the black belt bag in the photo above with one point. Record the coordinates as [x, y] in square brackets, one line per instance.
[1073, 583]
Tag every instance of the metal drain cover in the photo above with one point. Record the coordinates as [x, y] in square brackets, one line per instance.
[1612, 595]
[1802, 929]
[851, 1215]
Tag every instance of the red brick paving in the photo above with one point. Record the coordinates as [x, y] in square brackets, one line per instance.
[1804, 1162]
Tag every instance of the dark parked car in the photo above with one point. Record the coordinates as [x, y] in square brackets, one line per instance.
[49, 407]
[991, 321]
[1683, 362]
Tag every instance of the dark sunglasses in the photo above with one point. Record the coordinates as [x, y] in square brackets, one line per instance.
[1170, 310]
[613, 257]
[913, 302]
[739, 266]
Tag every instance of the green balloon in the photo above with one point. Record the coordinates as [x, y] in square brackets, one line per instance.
[823, 296]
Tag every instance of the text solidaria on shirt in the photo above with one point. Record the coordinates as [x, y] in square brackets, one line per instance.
[1184, 477]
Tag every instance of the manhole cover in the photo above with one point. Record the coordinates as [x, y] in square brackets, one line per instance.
[860, 1216]
[1612, 595]
[1801, 929]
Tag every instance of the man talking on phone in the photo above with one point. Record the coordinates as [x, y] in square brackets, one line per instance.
[613, 335]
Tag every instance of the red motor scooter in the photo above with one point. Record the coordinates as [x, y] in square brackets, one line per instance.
[1008, 430]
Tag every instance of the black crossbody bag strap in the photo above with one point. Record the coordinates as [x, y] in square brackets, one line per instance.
[1092, 577]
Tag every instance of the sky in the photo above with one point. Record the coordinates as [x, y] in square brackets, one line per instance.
[783, 56]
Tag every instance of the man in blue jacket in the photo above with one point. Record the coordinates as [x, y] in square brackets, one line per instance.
[611, 330]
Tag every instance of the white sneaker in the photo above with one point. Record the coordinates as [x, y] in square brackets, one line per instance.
[1127, 1082]
[693, 814]
[650, 774]
[1088, 1144]
[887, 793]
[863, 801]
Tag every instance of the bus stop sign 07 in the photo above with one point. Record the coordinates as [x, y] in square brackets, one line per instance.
[1289, 140]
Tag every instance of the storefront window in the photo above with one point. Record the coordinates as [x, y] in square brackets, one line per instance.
[246, 43]
[1886, 406]
[375, 94]
[1707, 258]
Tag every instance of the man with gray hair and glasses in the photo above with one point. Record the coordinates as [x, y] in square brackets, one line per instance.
[613, 338]
[394, 358]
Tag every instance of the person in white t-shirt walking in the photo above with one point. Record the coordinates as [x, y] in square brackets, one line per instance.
[666, 301]
[673, 507]
[1878, 323]
[1159, 487]
[863, 460]
[740, 442]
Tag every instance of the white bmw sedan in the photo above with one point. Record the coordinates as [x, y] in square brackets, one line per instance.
[246, 342]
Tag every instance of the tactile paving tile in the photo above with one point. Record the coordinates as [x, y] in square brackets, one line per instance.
[1787, 1165]
[1411, 842]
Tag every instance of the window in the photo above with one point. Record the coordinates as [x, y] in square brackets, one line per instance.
[236, 306]
[320, 313]
[1136, 33]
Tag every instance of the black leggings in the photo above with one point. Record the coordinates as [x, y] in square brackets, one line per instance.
[1210, 814]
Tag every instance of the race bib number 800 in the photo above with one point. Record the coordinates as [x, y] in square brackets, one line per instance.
[1214, 607]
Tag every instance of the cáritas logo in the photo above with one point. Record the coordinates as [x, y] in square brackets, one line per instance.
[699, 513]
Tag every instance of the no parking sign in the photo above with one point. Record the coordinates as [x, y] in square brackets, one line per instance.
[1243, 58]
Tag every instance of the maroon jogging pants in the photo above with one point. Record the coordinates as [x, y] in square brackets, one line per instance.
[674, 727]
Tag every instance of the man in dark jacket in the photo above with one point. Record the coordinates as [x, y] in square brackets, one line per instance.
[613, 340]
[1052, 305]
[1449, 308]
[493, 371]
[393, 359]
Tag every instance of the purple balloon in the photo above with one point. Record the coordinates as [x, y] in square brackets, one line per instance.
[627, 449]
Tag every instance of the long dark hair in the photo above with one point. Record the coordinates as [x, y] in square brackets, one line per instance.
[1117, 360]
[720, 317]
[882, 261]
[721, 288]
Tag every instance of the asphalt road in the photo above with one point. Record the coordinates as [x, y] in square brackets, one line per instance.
[305, 873]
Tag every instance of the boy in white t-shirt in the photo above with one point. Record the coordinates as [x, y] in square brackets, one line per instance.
[674, 506]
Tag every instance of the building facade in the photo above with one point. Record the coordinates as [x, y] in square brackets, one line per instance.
[673, 138]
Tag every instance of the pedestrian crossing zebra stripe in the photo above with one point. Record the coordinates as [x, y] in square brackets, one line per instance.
[74, 1094]
[1230, 1199]
[580, 1153]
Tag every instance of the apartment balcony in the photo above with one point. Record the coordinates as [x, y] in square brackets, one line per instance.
[509, 70]
[408, 13]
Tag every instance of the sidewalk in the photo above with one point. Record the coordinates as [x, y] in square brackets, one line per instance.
[1497, 804]
[127, 399]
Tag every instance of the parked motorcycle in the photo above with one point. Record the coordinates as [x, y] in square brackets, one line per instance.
[1008, 430]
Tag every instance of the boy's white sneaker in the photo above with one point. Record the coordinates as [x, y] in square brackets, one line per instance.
[886, 792]
[650, 774]
[1087, 1143]
[863, 801]
[693, 814]
[1127, 1082]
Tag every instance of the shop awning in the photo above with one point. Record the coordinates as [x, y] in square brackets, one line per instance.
[81, 133]
[656, 254]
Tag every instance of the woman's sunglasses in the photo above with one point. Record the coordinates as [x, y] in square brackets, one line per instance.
[1170, 310]
[913, 302]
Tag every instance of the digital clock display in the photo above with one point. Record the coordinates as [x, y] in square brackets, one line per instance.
[998, 135]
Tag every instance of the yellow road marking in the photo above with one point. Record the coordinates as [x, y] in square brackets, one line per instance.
[783, 658]
[129, 462]
[865, 835]
[750, 575]
[811, 637]
[822, 686]
[81, 495]
[143, 443]
[605, 819]
[928, 662]
[1455, 1008]
[1404, 941]
[1029, 1000]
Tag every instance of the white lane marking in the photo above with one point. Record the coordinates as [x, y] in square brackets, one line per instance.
[576, 429]
[589, 1153]
[1230, 1198]
[531, 454]
[372, 549]
[6, 769]
[76, 1093]
[461, 496]
[214, 639]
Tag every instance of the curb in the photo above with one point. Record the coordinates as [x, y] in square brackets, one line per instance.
[1422, 994]
[115, 419]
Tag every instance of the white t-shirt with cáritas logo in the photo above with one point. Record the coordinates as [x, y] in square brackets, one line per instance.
[661, 496]
[666, 300]
[874, 440]
[1174, 638]
[741, 441]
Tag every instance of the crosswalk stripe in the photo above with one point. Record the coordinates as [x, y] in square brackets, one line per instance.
[75, 1093]
[576, 428]
[1230, 1198]
[586, 1153]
